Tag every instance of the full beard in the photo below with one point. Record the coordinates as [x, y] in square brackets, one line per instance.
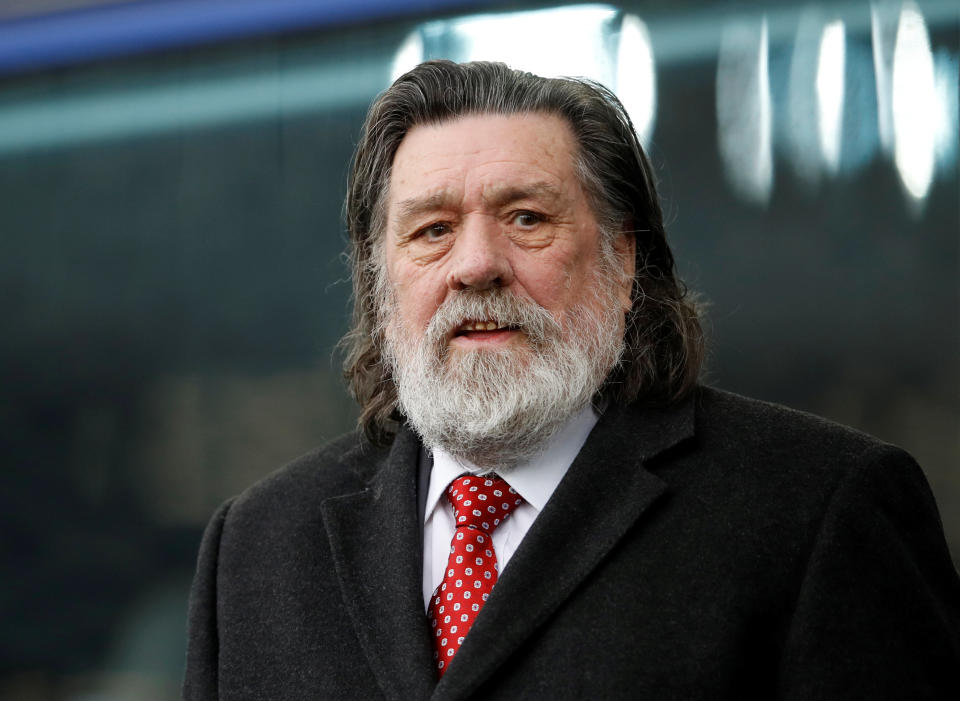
[499, 407]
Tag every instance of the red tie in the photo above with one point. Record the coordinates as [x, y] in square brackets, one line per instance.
[480, 504]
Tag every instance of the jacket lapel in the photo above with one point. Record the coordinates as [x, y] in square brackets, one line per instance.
[377, 548]
[603, 494]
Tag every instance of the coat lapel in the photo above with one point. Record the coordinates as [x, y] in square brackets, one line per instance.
[602, 495]
[377, 548]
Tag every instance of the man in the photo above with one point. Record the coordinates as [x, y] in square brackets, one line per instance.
[543, 503]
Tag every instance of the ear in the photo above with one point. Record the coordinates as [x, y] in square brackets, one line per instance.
[626, 248]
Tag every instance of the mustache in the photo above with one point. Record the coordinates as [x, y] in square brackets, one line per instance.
[497, 305]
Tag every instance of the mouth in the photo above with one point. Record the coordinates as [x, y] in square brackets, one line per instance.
[484, 330]
[482, 326]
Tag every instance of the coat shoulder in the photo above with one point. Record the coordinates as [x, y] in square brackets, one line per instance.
[772, 460]
[764, 428]
[342, 466]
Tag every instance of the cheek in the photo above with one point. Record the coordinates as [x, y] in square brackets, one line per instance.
[416, 293]
[558, 282]
[552, 287]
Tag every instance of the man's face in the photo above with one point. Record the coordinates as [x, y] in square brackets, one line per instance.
[485, 202]
[503, 312]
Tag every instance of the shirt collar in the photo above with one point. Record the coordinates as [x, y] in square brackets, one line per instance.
[535, 480]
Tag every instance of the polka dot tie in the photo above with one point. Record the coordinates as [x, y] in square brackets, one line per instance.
[480, 504]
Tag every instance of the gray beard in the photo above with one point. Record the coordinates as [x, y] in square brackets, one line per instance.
[498, 408]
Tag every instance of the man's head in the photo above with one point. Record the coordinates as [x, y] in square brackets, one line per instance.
[484, 196]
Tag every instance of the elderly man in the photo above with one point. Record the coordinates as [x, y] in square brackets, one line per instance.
[542, 502]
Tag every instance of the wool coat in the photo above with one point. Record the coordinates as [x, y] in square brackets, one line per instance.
[722, 548]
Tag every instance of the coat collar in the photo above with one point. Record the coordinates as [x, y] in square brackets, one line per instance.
[605, 492]
[377, 543]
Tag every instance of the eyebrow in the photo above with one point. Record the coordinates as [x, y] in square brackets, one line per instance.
[413, 207]
[501, 196]
[495, 197]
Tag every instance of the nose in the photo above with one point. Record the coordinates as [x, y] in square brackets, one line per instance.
[480, 256]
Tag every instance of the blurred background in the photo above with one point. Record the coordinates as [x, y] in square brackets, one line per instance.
[173, 285]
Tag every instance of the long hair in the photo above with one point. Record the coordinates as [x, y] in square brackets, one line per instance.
[662, 336]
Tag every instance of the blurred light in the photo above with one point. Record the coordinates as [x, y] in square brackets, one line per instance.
[744, 121]
[636, 82]
[883, 31]
[408, 55]
[104, 112]
[555, 42]
[115, 29]
[859, 142]
[591, 41]
[802, 129]
[830, 73]
[915, 103]
[947, 116]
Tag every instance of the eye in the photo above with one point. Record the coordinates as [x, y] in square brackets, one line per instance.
[435, 231]
[527, 219]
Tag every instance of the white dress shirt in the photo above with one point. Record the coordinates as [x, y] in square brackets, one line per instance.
[534, 480]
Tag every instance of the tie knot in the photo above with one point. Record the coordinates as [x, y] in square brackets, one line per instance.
[482, 502]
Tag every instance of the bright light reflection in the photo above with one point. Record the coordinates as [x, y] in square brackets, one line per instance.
[591, 41]
[556, 42]
[744, 120]
[831, 65]
[915, 104]
[636, 83]
[408, 55]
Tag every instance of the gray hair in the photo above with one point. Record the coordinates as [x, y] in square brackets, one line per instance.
[663, 338]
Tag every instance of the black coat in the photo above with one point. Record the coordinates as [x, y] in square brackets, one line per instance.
[721, 549]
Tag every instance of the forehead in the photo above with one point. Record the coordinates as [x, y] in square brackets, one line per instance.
[480, 153]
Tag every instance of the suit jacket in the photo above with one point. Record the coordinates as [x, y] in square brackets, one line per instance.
[719, 549]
